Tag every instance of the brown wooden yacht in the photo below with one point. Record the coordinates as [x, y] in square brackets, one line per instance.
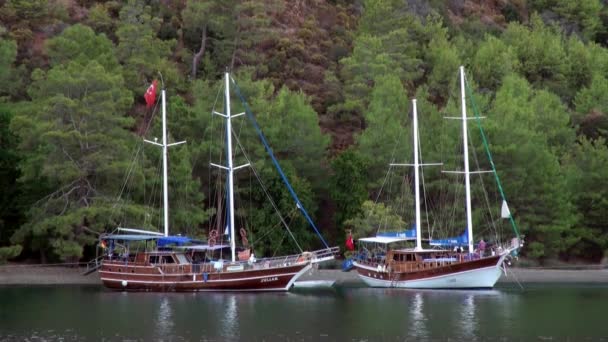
[135, 259]
[198, 267]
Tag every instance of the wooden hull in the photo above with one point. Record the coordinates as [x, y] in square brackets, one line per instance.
[151, 278]
[480, 273]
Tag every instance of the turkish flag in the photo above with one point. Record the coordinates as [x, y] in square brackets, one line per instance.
[150, 94]
[350, 244]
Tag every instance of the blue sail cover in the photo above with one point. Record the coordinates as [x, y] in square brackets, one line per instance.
[129, 237]
[454, 241]
[173, 240]
[406, 234]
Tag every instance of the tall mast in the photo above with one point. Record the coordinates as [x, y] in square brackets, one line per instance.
[417, 178]
[466, 162]
[165, 147]
[165, 180]
[417, 165]
[230, 170]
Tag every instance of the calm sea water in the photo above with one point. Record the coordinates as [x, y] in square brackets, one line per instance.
[92, 313]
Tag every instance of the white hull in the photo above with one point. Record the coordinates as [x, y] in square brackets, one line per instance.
[478, 278]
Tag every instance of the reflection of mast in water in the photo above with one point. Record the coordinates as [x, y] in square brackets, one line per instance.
[468, 321]
[230, 322]
[164, 322]
[418, 328]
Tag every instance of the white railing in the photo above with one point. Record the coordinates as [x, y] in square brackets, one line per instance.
[241, 265]
[282, 261]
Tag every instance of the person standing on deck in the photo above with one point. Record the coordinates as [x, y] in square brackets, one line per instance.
[481, 247]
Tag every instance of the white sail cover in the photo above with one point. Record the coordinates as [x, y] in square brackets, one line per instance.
[504, 212]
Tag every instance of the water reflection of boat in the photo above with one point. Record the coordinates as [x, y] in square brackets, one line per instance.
[165, 322]
[230, 321]
[436, 265]
[129, 264]
[418, 320]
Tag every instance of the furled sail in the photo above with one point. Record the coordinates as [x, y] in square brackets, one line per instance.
[505, 212]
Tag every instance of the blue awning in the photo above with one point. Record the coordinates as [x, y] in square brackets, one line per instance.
[173, 240]
[454, 241]
[162, 241]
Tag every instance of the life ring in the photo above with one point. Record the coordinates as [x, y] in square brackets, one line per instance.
[213, 233]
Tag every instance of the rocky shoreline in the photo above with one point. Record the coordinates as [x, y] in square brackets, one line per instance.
[60, 275]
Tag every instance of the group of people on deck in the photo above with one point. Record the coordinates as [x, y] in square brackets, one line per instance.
[481, 248]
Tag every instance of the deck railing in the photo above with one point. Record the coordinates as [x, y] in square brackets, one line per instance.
[283, 261]
[221, 266]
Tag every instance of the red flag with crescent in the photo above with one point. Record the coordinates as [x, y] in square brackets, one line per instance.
[350, 244]
[150, 94]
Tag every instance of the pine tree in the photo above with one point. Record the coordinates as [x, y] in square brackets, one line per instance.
[348, 185]
[76, 139]
[588, 183]
[384, 139]
[530, 168]
[142, 54]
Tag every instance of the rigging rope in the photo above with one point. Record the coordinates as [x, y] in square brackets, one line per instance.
[272, 228]
[140, 144]
[267, 194]
[450, 192]
[487, 148]
[485, 193]
[276, 163]
[386, 176]
[426, 205]
[212, 199]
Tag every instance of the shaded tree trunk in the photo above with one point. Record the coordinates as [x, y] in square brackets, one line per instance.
[43, 259]
[201, 52]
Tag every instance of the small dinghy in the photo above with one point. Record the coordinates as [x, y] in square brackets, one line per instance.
[313, 284]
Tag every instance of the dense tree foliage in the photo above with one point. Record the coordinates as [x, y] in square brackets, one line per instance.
[79, 144]
[373, 216]
[11, 214]
[587, 182]
[348, 185]
[8, 52]
[330, 83]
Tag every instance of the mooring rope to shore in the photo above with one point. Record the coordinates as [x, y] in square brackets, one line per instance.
[62, 264]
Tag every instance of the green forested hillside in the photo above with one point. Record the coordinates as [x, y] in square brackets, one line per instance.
[330, 82]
